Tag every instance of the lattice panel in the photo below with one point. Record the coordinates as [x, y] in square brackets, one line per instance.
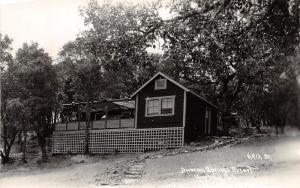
[118, 140]
[68, 142]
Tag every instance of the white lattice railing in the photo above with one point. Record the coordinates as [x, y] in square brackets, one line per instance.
[119, 140]
[97, 124]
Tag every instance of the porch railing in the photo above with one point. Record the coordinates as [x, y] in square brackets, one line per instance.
[98, 124]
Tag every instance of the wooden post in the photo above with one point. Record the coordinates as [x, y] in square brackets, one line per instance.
[134, 122]
[106, 114]
[184, 116]
[136, 110]
[78, 116]
[120, 118]
[87, 131]
[66, 123]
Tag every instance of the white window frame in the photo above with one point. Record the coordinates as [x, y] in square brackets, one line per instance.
[156, 86]
[160, 103]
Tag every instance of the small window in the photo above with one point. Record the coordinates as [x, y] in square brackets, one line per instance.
[160, 84]
[167, 106]
[160, 106]
[153, 107]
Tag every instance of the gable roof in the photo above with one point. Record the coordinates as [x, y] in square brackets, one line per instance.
[177, 84]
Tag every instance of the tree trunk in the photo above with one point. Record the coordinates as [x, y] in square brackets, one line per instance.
[88, 113]
[42, 144]
[282, 129]
[258, 124]
[44, 153]
[258, 128]
[282, 125]
[4, 158]
[20, 139]
[7, 147]
[24, 146]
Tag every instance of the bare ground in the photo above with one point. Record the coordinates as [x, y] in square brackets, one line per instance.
[166, 168]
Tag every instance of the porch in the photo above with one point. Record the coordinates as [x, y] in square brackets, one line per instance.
[109, 114]
[97, 124]
[112, 129]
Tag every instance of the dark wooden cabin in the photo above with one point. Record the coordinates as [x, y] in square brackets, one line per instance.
[163, 114]
[163, 102]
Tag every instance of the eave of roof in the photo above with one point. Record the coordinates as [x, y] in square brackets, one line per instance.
[126, 103]
[176, 83]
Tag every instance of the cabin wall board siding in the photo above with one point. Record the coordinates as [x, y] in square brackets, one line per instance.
[195, 117]
[214, 121]
[148, 91]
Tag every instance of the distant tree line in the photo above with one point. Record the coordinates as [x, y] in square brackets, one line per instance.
[243, 55]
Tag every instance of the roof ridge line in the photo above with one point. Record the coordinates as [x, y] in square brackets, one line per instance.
[176, 83]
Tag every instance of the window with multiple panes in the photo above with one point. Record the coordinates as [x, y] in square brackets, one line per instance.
[153, 107]
[160, 84]
[167, 105]
[160, 106]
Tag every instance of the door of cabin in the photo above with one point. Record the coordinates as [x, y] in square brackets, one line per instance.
[208, 121]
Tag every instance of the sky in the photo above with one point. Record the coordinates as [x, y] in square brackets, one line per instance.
[51, 23]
